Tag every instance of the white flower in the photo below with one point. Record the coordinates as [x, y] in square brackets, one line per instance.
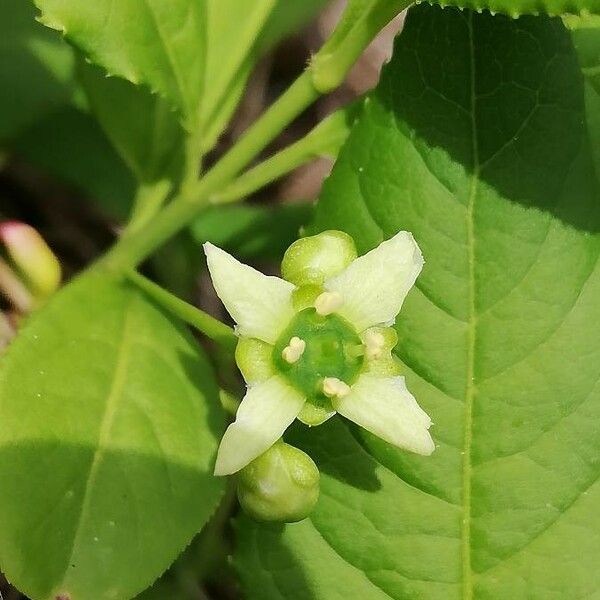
[320, 343]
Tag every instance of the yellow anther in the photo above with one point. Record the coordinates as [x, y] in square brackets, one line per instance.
[328, 302]
[294, 350]
[374, 344]
[335, 388]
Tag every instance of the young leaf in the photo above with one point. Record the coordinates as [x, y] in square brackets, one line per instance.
[475, 141]
[36, 69]
[110, 419]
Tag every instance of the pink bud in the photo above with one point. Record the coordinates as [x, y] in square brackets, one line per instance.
[31, 260]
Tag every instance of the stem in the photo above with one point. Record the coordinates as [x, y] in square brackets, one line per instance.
[131, 250]
[326, 138]
[326, 71]
[212, 328]
[355, 31]
[147, 202]
[193, 154]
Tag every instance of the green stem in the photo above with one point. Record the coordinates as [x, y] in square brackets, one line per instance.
[326, 138]
[213, 328]
[191, 168]
[326, 71]
[131, 250]
[148, 199]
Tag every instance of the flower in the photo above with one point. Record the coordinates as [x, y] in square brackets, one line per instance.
[319, 341]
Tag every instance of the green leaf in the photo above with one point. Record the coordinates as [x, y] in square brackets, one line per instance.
[142, 127]
[232, 29]
[109, 428]
[252, 231]
[158, 43]
[69, 145]
[283, 18]
[516, 8]
[196, 54]
[36, 69]
[476, 141]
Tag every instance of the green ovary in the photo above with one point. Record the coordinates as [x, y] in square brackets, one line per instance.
[333, 349]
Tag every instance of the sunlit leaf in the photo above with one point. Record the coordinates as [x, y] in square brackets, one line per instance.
[476, 140]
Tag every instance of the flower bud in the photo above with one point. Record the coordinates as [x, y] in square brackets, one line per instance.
[31, 262]
[312, 260]
[280, 485]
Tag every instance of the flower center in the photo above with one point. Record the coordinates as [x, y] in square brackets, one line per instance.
[331, 349]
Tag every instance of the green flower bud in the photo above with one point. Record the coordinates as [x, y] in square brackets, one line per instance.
[30, 259]
[312, 260]
[280, 485]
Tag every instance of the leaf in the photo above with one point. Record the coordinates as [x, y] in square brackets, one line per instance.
[142, 127]
[109, 429]
[476, 141]
[36, 69]
[196, 54]
[516, 8]
[69, 145]
[232, 29]
[252, 231]
[158, 43]
[283, 18]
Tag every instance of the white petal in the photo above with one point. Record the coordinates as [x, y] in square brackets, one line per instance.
[383, 406]
[266, 411]
[260, 305]
[374, 285]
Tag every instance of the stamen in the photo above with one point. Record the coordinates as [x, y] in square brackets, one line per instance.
[335, 388]
[374, 344]
[294, 350]
[328, 302]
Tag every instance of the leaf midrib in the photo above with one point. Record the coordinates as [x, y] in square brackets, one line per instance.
[105, 427]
